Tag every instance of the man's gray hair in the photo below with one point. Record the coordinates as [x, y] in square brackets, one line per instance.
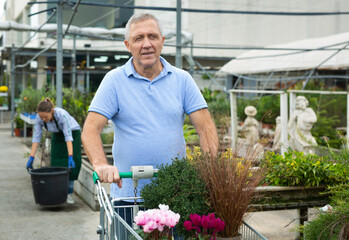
[138, 18]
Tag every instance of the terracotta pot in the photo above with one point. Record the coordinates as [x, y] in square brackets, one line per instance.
[17, 132]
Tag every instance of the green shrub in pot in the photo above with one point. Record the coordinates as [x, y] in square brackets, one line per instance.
[179, 187]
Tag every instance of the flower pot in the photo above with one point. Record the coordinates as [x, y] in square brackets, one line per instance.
[18, 132]
[231, 238]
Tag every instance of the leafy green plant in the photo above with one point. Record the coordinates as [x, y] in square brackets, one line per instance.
[268, 108]
[206, 76]
[190, 134]
[297, 169]
[18, 122]
[178, 186]
[327, 119]
[209, 94]
[3, 100]
[29, 99]
[334, 224]
[77, 103]
[218, 104]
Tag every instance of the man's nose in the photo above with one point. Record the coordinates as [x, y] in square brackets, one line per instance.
[146, 43]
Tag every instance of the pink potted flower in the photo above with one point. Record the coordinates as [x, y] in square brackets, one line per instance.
[204, 227]
[157, 223]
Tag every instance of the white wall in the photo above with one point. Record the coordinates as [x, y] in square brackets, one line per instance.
[253, 30]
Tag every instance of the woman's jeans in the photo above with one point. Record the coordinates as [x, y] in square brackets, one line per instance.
[71, 187]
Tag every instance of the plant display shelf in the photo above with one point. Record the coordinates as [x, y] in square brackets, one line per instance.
[27, 120]
[272, 198]
[3, 108]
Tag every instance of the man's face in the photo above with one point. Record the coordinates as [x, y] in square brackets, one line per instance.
[145, 43]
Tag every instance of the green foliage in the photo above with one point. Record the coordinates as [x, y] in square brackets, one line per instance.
[219, 108]
[190, 134]
[319, 229]
[341, 157]
[179, 187]
[326, 109]
[77, 103]
[297, 169]
[3, 100]
[209, 95]
[29, 99]
[331, 225]
[268, 108]
[18, 122]
[206, 76]
[107, 138]
[218, 104]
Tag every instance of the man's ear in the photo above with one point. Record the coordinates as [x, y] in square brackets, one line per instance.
[127, 44]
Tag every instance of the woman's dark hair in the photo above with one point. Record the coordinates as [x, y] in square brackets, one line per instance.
[45, 105]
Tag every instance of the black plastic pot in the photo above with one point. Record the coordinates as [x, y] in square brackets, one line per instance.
[50, 185]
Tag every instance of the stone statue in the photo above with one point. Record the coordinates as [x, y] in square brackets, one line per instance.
[251, 126]
[277, 136]
[248, 146]
[299, 126]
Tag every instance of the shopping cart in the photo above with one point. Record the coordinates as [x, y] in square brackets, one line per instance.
[112, 220]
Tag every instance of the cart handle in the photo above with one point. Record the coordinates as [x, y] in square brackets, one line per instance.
[129, 175]
[121, 174]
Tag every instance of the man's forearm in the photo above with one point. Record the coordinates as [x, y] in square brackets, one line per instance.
[209, 139]
[93, 147]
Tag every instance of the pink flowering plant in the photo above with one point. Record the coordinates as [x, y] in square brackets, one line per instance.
[204, 227]
[157, 223]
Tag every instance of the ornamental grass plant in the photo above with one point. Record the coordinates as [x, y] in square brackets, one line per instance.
[231, 183]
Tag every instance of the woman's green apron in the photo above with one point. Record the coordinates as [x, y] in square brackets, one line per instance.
[59, 151]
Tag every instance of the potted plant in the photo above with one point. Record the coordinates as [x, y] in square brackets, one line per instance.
[19, 124]
[204, 227]
[29, 99]
[231, 184]
[157, 223]
[201, 185]
[178, 186]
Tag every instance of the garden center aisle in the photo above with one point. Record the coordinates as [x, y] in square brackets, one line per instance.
[21, 218]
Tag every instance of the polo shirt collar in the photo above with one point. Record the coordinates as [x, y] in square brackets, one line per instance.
[130, 70]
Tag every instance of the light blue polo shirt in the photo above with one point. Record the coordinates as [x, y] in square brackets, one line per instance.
[147, 116]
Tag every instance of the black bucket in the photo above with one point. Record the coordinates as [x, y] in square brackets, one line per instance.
[50, 185]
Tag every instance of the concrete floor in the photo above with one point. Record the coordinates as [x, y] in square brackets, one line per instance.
[20, 217]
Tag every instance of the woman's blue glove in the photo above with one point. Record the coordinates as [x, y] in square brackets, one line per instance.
[71, 162]
[30, 162]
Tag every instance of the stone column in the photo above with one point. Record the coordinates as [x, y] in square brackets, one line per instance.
[41, 73]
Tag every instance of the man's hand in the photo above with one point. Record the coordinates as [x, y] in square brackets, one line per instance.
[108, 174]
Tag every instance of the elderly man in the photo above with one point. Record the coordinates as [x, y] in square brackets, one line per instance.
[147, 100]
